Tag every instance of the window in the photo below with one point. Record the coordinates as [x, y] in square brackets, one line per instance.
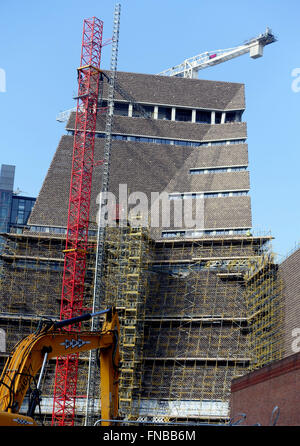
[217, 143]
[207, 232]
[234, 116]
[238, 169]
[211, 195]
[197, 195]
[121, 109]
[161, 141]
[20, 217]
[203, 117]
[231, 117]
[217, 170]
[164, 113]
[183, 114]
[177, 142]
[236, 141]
[240, 193]
[222, 231]
[218, 117]
[173, 234]
[240, 231]
[149, 109]
[181, 143]
[48, 229]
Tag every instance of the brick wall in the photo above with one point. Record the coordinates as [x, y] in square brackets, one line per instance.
[257, 393]
[167, 90]
[290, 274]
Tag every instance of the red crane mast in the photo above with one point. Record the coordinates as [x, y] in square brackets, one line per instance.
[78, 215]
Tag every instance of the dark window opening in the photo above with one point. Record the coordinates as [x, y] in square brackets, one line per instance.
[203, 117]
[183, 115]
[120, 109]
[218, 117]
[148, 109]
[165, 113]
[231, 117]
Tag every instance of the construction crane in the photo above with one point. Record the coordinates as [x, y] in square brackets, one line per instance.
[72, 297]
[31, 354]
[189, 68]
[98, 282]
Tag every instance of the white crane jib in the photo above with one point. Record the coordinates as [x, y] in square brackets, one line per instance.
[189, 68]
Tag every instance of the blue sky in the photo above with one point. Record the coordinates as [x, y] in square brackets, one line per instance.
[40, 51]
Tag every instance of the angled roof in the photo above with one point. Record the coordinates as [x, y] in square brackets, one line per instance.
[165, 90]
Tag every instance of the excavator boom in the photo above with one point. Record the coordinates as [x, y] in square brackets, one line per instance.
[32, 352]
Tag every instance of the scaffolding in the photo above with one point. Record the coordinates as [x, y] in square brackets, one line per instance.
[194, 314]
[202, 326]
[30, 290]
[264, 287]
[126, 286]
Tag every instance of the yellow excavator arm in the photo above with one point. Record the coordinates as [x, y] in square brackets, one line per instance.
[31, 354]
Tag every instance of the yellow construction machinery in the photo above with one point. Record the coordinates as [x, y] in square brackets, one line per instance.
[49, 341]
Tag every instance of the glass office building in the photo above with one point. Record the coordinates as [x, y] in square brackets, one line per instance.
[14, 208]
[7, 176]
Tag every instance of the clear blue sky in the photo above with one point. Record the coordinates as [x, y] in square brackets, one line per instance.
[40, 51]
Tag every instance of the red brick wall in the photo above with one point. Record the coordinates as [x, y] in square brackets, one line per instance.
[290, 273]
[257, 393]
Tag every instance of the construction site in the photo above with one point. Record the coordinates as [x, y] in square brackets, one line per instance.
[198, 307]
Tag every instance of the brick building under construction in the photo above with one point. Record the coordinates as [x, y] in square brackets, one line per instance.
[198, 306]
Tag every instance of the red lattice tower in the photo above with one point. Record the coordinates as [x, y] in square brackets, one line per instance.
[78, 215]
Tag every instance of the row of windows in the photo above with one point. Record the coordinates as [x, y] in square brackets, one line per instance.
[187, 234]
[56, 230]
[166, 140]
[176, 113]
[217, 170]
[189, 195]
[47, 229]
[176, 142]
